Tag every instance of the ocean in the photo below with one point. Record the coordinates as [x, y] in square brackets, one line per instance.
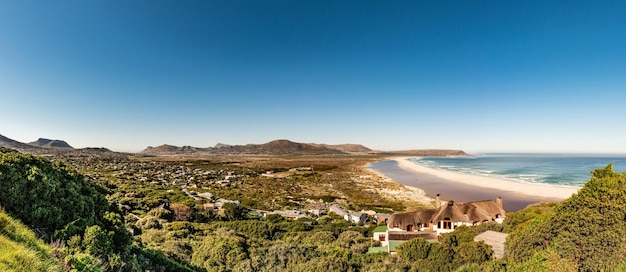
[555, 169]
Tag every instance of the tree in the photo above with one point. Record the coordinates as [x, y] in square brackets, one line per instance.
[414, 249]
[222, 250]
[49, 196]
[588, 227]
[232, 211]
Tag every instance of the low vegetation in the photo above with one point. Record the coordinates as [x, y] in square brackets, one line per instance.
[586, 232]
[20, 250]
[142, 214]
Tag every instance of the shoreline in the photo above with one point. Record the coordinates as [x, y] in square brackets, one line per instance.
[466, 187]
[529, 189]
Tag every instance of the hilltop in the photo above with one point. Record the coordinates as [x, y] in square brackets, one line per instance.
[57, 148]
[47, 143]
[13, 144]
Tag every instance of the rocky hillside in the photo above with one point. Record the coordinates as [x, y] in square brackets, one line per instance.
[57, 148]
[278, 147]
[347, 148]
[47, 143]
[13, 144]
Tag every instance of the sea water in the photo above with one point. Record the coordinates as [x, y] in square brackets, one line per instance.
[556, 169]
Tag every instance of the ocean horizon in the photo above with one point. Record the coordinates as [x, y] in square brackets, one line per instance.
[543, 168]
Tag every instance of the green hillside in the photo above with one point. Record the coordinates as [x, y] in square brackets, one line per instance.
[69, 211]
[20, 250]
[586, 232]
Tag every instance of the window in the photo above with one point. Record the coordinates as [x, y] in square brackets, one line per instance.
[396, 225]
[410, 228]
[447, 223]
[382, 237]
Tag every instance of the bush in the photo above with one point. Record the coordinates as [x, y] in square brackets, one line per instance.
[414, 249]
[49, 196]
[588, 228]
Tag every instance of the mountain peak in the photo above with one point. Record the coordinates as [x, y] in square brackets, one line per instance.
[47, 143]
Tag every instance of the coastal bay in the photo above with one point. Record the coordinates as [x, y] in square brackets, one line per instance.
[465, 187]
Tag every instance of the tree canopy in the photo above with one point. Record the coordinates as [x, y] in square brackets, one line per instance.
[588, 229]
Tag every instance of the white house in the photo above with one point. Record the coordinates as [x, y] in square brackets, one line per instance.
[355, 217]
[290, 214]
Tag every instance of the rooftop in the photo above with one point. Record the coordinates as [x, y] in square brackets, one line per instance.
[382, 228]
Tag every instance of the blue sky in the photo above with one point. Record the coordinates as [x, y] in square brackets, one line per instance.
[482, 76]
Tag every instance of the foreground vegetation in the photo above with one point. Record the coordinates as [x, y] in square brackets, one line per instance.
[140, 215]
[21, 250]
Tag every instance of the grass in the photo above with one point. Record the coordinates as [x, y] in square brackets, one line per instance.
[20, 250]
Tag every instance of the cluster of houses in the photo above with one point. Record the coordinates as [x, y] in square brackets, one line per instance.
[167, 174]
[430, 223]
[326, 208]
[358, 217]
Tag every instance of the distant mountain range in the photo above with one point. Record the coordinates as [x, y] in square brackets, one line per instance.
[278, 147]
[286, 147]
[273, 148]
[57, 147]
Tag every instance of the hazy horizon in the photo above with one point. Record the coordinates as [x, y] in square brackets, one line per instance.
[482, 77]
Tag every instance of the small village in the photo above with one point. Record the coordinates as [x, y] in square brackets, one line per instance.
[391, 229]
[197, 184]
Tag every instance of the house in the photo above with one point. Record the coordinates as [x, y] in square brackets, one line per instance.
[430, 223]
[380, 234]
[290, 214]
[220, 202]
[380, 218]
[446, 218]
[337, 210]
[318, 209]
[206, 195]
[355, 217]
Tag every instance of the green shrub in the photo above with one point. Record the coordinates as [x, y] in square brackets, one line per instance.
[588, 228]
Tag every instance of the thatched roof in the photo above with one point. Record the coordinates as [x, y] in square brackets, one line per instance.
[477, 211]
[450, 211]
[411, 218]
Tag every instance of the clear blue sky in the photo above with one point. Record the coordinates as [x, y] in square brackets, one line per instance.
[482, 76]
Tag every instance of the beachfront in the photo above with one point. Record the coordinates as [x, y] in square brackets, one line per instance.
[465, 187]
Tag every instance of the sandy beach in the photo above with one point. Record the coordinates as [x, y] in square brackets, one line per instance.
[465, 187]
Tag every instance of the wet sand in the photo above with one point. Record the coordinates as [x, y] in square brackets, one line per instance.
[434, 182]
